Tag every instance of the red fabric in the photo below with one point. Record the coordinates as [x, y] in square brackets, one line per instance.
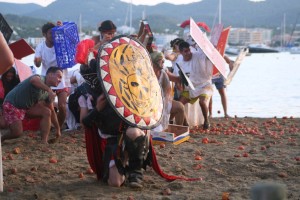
[95, 148]
[83, 49]
[1, 90]
[31, 124]
[201, 24]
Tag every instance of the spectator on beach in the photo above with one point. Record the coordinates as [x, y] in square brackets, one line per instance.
[80, 101]
[73, 111]
[218, 80]
[107, 31]
[172, 108]
[45, 55]
[6, 56]
[200, 75]
[174, 57]
[34, 98]
[8, 81]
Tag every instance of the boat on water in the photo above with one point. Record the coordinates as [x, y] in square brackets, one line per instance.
[261, 48]
[295, 50]
[232, 51]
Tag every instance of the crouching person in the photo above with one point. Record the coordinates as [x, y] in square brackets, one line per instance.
[34, 98]
[115, 150]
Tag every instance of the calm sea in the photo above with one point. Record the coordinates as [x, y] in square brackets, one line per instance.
[266, 85]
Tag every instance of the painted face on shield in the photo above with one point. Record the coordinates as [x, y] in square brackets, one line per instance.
[134, 82]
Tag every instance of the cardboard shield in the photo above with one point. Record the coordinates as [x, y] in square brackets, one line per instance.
[128, 80]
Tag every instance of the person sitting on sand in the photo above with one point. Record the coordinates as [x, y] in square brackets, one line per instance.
[172, 108]
[34, 98]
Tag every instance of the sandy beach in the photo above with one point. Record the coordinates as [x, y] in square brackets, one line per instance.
[234, 155]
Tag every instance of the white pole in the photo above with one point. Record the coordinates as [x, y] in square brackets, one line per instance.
[1, 168]
[130, 17]
[220, 11]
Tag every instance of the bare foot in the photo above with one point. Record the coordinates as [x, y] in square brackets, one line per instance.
[227, 116]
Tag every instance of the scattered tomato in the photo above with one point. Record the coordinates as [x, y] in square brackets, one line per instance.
[16, 150]
[166, 191]
[245, 154]
[81, 175]
[10, 157]
[241, 147]
[198, 157]
[53, 160]
[14, 170]
[162, 145]
[205, 141]
[282, 175]
[89, 171]
[263, 148]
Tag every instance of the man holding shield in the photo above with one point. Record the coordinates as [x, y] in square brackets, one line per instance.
[126, 94]
[200, 68]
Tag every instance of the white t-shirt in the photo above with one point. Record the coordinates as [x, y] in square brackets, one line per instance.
[49, 60]
[200, 74]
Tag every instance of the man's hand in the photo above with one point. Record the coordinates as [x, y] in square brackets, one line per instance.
[38, 61]
[101, 102]
[231, 65]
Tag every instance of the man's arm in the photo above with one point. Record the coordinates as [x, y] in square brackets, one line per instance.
[6, 56]
[38, 83]
[173, 77]
[229, 62]
[54, 120]
[95, 114]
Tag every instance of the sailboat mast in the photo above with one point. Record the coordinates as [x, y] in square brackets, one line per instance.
[283, 38]
[220, 11]
[130, 17]
[80, 25]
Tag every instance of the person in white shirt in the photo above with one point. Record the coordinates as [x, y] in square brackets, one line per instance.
[45, 56]
[200, 75]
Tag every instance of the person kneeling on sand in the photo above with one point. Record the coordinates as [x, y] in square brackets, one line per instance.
[34, 98]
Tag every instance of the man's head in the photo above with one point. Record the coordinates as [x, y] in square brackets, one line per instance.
[53, 76]
[157, 59]
[47, 31]
[175, 42]
[185, 51]
[107, 30]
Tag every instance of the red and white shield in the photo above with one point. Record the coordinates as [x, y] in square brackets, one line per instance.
[128, 79]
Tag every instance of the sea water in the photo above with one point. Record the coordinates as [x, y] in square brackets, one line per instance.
[265, 85]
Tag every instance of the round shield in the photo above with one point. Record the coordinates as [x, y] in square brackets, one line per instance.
[131, 87]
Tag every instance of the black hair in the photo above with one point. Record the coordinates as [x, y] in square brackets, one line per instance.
[183, 45]
[175, 41]
[9, 85]
[53, 70]
[47, 26]
[107, 25]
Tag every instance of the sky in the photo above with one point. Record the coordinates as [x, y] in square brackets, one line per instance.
[136, 2]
